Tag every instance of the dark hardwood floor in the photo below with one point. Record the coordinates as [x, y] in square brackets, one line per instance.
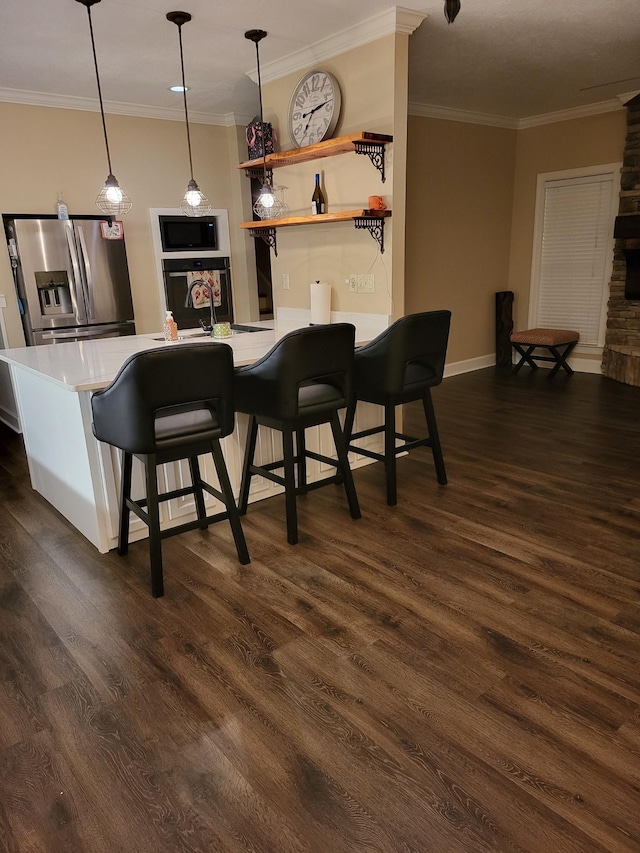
[457, 673]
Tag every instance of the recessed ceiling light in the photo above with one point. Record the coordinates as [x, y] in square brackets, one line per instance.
[179, 88]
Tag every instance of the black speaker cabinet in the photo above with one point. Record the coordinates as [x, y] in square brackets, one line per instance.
[504, 327]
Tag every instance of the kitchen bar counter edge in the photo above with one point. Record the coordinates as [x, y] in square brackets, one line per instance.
[92, 364]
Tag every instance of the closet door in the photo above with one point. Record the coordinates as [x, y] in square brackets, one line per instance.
[573, 251]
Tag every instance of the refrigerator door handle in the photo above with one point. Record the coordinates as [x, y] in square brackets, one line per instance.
[76, 289]
[88, 290]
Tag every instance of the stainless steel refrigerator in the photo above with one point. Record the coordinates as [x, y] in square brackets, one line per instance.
[71, 278]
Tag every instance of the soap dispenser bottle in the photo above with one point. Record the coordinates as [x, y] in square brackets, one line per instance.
[170, 328]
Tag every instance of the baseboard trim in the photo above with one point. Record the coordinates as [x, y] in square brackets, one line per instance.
[580, 365]
[470, 364]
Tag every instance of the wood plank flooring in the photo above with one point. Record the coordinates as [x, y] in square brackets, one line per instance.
[457, 673]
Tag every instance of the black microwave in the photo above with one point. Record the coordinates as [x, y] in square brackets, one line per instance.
[186, 234]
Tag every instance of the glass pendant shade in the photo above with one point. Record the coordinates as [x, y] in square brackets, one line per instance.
[195, 202]
[111, 200]
[268, 205]
[451, 9]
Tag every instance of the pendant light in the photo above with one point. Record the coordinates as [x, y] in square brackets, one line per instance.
[111, 200]
[268, 205]
[451, 9]
[195, 202]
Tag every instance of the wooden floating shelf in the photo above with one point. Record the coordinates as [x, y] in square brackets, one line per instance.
[370, 144]
[328, 148]
[317, 219]
[371, 220]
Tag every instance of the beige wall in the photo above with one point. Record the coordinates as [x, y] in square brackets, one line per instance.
[549, 148]
[46, 150]
[469, 210]
[470, 213]
[332, 252]
[459, 204]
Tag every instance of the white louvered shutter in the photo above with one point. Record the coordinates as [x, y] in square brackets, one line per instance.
[576, 255]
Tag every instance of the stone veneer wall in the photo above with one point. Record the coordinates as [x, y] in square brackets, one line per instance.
[621, 355]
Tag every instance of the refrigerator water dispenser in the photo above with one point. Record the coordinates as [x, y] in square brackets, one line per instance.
[53, 292]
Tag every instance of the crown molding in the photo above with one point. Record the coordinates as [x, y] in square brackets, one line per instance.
[70, 102]
[449, 114]
[395, 20]
[567, 115]
[628, 96]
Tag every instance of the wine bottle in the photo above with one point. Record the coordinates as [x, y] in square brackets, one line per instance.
[317, 199]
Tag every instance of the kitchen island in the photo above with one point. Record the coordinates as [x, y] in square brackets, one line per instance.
[80, 476]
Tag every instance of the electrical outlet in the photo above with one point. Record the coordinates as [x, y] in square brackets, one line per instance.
[352, 281]
[367, 283]
[285, 281]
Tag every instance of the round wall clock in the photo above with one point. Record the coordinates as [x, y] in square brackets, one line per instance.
[314, 108]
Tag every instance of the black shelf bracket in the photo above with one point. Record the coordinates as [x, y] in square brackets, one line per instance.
[258, 173]
[268, 235]
[375, 153]
[375, 227]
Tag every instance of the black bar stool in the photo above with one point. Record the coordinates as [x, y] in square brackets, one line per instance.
[301, 382]
[401, 365]
[165, 405]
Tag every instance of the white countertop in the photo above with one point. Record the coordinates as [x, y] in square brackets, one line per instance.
[88, 365]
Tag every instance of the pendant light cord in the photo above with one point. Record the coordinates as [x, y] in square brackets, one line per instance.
[95, 62]
[264, 139]
[184, 95]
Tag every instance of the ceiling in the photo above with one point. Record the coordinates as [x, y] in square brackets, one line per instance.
[503, 58]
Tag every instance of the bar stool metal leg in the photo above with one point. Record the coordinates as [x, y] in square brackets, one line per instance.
[390, 453]
[250, 449]
[345, 468]
[432, 426]
[125, 495]
[290, 486]
[194, 468]
[153, 513]
[232, 510]
[301, 458]
[349, 419]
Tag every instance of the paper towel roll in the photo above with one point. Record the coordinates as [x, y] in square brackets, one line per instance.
[320, 302]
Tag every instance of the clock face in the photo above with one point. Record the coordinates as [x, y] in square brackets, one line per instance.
[314, 108]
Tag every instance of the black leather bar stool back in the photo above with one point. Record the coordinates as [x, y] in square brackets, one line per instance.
[301, 382]
[165, 405]
[401, 365]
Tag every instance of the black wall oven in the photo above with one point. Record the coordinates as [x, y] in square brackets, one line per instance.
[194, 277]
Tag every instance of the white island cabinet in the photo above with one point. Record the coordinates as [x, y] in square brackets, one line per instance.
[80, 476]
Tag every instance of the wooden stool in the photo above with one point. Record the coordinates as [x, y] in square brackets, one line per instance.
[546, 339]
